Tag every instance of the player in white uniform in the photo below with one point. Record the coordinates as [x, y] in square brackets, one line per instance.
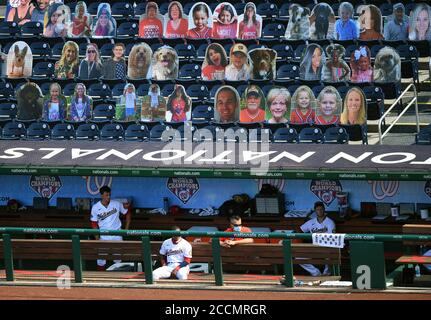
[320, 224]
[176, 255]
[105, 215]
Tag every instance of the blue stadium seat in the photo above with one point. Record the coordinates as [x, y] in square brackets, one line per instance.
[56, 49]
[207, 133]
[409, 62]
[283, 12]
[63, 131]
[9, 30]
[99, 91]
[69, 89]
[92, 8]
[200, 52]
[140, 8]
[273, 31]
[87, 131]
[136, 132]
[43, 70]
[167, 89]
[203, 112]
[118, 90]
[44, 87]
[143, 89]
[106, 50]
[267, 10]
[284, 52]
[6, 89]
[103, 112]
[187, 6]
[198, 92]
[8, 111]
[260, 135]
[189, 72]
[336, 135]
[310, 135]
[424, 136]
[180, 134]
[122, 10]
[287, 72]
[299, 51]
[32, 29]
[13, 130]
[185, 51]
[163, 8]
[40, 49]
[285, 135]
[236, 134]
[37, 131]
[239, 7]
[157, 131]
[357, 132]
[112, 132]
[386, 9]
[128, 29]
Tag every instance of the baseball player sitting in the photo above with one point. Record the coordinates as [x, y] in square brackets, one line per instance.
[176, 255]
[235, 226]
[105, 215]
[320, 224]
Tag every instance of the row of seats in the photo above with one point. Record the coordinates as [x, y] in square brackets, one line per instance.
[155, 131]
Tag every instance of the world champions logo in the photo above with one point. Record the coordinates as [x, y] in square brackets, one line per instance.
[384, 189]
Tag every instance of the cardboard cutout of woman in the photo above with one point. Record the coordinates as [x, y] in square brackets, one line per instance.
[329, 105]
[176, 23]
[322, 22]
[278, 105]
[226, 105]
[54, 104]
[67, 66]
[370, 23]
[420, 25]
[346, 27]
[253, 105]
[179, 105]
[264, 64]
[153, 105]
[387, 66]
[335, 68]
[29, 102]
[151, 22]
[38, 14]
[128, 107]
[239, 68]
[20, 12]
[360, 62]
[225, 22]
[298, 26]
[249, 23]
[139, 62]
[215, 62]
[303, 106]
[165, 64]
[57, 21]
[81, 105]
[312, 63]
[200, 22]
[354, 107]
[104, 25]
[81, 21]
[91, 66]
[19, 61]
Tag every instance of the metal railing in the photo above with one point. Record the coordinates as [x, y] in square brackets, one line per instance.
[146, 245]
[413, 100]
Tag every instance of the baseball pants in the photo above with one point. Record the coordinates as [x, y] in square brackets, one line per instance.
[315, 272]
[102, 263]
[166, 271]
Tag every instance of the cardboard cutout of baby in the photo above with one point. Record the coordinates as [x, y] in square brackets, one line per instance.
[335, 68]
[153, 105]
[387, 66]
[104, 25]
[139, 62]
[264, 64]
[176, 22]
[225, 22]
[303, 106]
[298, 26]
[322, 22]
[312, 63]
[57, 21]
[329, 104]
[81, 21]
[253, 105]
[19, 61]
[249, 23]
[165, 64]
[151, 22]
[200, 22]
[128, 107]
[226, 105]
[179, 105]
[354, 107]
[29, 101]
[215, 63]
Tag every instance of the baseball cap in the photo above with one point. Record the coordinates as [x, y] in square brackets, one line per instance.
[253, 91]
[239, 47]
[398, 6]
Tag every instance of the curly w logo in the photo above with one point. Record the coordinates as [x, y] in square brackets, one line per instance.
[384, 189]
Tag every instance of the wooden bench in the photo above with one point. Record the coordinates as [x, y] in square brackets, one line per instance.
[243, 257]
[412, 253]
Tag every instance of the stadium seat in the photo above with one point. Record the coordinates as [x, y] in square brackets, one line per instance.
[163, 8]
[92, 8]
[336, 135]
[189, 72]
[342, 90]
[8, 111]
[185, 51]
[140, 8]
[128, 29]
[43, 70]
[424, 136]
[112, 132]
[118, 90]
[122, 10]
[13, 130]
[44, 87]
[260, 135]
[284, 52]
[267, 10]
[203, 112]
[310, 135]
[187, 6]
[6, 89]
[106, 50]
[356, 132]
[136, 132]
[57, 49]
[283, 12]
[40, 49]
[409, 62]
[316, 89]
[200, 53]
[375, 102]
[236, 134]
[9, 30]
[285, 135]
[180, 133]
[143, 89]
[273, 31]
[31, 29]
[99, 91]
[198, 92]
[87, 131]
[207, 133]
[287, 72]
[156, 132]
[38, 131]
[63, 131]
[299, 51]
[103, 112]
[386, 9]
[69, 89]
[239, 7]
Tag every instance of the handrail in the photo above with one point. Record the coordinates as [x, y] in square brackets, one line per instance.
[382, 118]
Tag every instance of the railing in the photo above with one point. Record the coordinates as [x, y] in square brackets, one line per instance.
[146, 246]
[382, 118]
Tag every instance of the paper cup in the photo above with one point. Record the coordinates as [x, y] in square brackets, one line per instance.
[424, 214]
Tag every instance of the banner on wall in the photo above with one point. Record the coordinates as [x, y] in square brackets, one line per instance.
[183, 188]
[326, 190]
[45, 186]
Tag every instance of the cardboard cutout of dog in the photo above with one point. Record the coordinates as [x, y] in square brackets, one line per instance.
[165, 64]
[322, 22]
[387, 66]
[299, 23]
[29, 101]
[264, 64]
[139, 62]
[19, 61]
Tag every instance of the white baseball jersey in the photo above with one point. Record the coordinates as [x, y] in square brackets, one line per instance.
[176, 252]
[108, 218]
[314, 226]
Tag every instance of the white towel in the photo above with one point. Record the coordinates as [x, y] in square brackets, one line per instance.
[333, 240]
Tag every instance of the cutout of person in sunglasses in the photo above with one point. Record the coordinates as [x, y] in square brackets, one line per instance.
[235, 226]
